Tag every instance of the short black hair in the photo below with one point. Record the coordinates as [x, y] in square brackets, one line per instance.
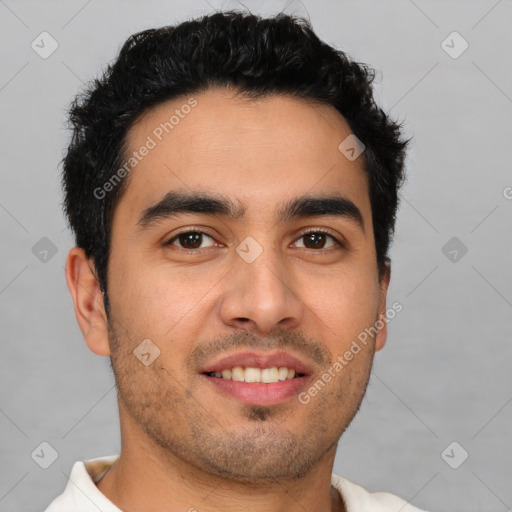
[259, 57]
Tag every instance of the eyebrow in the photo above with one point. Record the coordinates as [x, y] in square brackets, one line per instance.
[179, 202]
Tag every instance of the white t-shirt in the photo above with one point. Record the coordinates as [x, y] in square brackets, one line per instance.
[82, 495]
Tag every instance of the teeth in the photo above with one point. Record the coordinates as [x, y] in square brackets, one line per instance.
[270, 375]
[237, 374]
[283, 373]
[249, 374]
[252, 375]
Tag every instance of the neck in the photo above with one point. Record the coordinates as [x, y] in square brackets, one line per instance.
[170, 485]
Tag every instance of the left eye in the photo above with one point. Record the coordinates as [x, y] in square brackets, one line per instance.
[192, 239]
[316, 237]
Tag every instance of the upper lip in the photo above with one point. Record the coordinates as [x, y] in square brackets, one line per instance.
[256, 359]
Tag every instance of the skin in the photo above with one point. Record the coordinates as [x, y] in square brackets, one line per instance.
[184, 443]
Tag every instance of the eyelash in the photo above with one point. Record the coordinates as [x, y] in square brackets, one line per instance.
[193, 251]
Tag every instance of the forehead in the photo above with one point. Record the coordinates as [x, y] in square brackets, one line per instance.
[260, 152]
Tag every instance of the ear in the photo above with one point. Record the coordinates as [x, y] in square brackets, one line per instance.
[88, 301]
[380, 339]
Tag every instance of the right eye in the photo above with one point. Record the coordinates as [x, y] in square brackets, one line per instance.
[189, 240]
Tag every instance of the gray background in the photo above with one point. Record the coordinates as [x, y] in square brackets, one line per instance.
[444, 374]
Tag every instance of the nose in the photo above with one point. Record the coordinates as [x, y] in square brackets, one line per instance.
[261, 295]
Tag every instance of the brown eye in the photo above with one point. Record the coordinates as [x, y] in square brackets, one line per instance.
[192, 240]
[189, 239]
[317, 239]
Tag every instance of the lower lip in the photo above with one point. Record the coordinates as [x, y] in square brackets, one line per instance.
[253, 393]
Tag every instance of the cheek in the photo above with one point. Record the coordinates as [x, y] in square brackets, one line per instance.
[347, 304]
[160, 301]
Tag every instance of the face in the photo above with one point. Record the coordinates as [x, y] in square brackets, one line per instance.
[202, 286]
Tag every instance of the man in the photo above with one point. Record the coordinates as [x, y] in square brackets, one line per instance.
[232, 187]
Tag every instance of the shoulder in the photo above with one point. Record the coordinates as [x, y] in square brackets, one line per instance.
[358, 499]
[81, 493]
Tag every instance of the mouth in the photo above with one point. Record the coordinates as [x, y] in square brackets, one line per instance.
[257, 375]
[258, 378]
